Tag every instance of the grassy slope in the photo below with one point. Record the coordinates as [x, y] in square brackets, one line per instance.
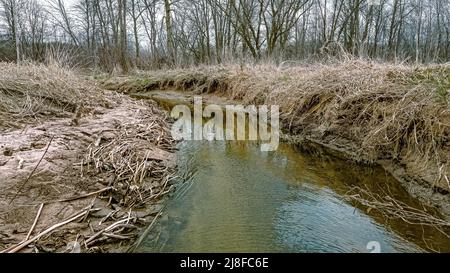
[370, 110]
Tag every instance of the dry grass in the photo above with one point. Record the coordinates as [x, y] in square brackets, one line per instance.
[392, 208]
[138, 155]
[386, 111]
[30, 91]
[115, 164]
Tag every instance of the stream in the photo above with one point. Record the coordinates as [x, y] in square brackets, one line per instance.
[235, 198]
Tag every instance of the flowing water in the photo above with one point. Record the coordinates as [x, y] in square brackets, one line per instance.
[235, 198]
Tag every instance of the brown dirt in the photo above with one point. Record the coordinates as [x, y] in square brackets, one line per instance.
[85, 156]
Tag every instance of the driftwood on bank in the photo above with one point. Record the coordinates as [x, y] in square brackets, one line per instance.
[20, 246]
[126, 154]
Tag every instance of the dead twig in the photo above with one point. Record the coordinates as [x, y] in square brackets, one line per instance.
[115, 236]
[35, 221]
[109, 228]
[29, 232]
[20, 246]
[32, 172]
[81, 196]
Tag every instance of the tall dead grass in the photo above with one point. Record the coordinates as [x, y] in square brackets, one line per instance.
[30, 91]
[386, 111]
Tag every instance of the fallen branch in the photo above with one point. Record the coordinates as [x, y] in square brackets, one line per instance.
[81, 196]
[35, 221]
[111, 227]
[29, 232]
[32, 172]
[20, 246]
[115, 236]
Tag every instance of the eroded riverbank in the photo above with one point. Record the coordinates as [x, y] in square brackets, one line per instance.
[391, 115]
[236, 198]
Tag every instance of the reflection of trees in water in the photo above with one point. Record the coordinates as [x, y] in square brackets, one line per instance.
[237, 195]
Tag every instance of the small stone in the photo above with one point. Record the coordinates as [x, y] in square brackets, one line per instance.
[8, 152]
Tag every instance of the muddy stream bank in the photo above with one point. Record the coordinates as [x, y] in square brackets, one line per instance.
[88, 185]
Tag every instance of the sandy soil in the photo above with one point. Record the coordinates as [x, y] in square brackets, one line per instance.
[48, 164]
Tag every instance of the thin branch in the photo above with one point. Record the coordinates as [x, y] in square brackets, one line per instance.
[34, 170]
[35, 222]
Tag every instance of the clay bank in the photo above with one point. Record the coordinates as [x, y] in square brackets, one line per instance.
[81, 169]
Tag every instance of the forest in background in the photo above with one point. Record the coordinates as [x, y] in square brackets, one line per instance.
[87, 159]
[152, 34]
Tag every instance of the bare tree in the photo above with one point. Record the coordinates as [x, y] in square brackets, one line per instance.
[155, 33]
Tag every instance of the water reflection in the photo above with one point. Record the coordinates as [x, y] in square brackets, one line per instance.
[236, 198]
[239, 199]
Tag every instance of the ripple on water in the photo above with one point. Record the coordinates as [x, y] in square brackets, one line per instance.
[239, 199]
